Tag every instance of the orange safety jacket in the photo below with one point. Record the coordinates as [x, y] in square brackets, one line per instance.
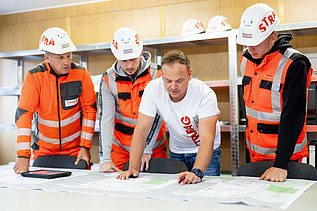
[127, 95]
[66, 109]
[263, 89]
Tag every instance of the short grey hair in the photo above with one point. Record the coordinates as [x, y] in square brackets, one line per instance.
[49, 54]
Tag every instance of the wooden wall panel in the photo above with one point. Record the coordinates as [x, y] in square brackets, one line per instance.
[300, 11]
[99, 64]
[209, 62]
[85, 9]
[96, 22]
[223, 104]
[109, 23]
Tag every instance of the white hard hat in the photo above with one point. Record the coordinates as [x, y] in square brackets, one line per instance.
[192, 26]
[218, 23]
[126, 44]
[56, 40]
[257, 23]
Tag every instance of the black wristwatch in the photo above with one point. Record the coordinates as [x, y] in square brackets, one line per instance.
[199, 173]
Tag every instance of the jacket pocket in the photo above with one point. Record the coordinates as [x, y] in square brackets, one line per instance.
[246, 83]
[267, 128]
[70, 92]
[269, 86]
[124, 129]
[124, 96]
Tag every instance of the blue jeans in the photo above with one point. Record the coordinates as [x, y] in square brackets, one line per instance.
[213, 168]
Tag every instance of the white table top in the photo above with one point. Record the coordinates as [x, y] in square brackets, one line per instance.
[17, 199]
[36, 200]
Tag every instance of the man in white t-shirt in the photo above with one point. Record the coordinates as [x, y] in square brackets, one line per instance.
[189, 108]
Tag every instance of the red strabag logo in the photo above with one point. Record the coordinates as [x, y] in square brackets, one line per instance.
[267, 21]
[188, 126]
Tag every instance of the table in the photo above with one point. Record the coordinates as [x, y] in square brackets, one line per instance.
[17, 199]
[37, 200]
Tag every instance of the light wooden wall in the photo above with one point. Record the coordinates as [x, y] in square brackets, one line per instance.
[96, 23]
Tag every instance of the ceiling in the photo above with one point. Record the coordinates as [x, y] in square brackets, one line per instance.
[17, 6]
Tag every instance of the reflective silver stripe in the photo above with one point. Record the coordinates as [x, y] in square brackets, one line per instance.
[64, 122]
[265, 116]
[56, 141]
[23, 146]
[275, 93]
[271, 151]
[116, 142]
[24, 132]
[113, 90]
[88, 123]
[87, 136]
[260, 150]
[159, 142]
[243, 65]
[113, 87]
[153, 69]
[276, 96]
[126, 148]
[125, 119]
[301, 146]
[290, 51]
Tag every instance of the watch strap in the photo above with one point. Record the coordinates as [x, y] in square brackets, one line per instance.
[199, 173]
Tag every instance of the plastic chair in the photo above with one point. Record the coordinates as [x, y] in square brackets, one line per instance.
[59, 161]
[296, 170]
[163, 166]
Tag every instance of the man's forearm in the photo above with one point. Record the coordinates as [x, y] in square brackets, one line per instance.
[203, 156]
[137, 149]
[207, 131]
[139, 138]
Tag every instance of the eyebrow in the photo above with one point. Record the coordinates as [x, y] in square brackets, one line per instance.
[172, 80]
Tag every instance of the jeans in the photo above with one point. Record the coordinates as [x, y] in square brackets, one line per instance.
[213, 168]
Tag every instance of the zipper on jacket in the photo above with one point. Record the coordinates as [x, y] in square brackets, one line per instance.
[59, 117]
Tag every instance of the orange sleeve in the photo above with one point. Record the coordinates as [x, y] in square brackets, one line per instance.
[28, 103]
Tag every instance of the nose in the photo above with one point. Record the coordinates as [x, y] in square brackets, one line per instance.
[173, 85]
[66, 61]
[129, 64]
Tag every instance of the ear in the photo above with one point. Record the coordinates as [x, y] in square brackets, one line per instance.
[190, 73]
[46, 58]
[273, 37]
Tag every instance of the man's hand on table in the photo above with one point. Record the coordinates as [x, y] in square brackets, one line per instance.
[188, 178]
[83, 154]
[274, 174]
[129, 173]
[21, 165]
[108, 167]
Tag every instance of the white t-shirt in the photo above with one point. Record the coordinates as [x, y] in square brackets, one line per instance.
[181, 118]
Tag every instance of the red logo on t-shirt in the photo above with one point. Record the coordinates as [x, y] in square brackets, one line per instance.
[190, 130]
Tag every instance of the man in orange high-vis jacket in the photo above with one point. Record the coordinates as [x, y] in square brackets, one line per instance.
[62, 94]
[275, 81]
[121, 90]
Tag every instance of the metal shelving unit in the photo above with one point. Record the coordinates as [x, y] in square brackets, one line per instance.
[227, 37]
